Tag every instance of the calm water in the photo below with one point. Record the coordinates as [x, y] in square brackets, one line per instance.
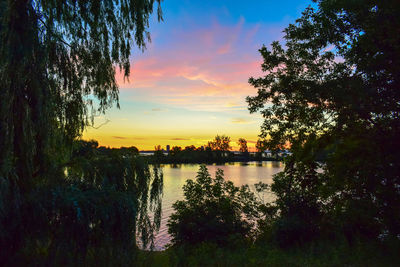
[175, 177]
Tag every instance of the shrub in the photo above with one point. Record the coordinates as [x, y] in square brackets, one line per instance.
[213, 211]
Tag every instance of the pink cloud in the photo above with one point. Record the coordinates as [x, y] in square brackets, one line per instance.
[226, 48]
[213, 62]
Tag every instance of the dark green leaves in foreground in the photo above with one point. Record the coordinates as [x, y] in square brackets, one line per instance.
[214, 210]
[331, 93]
[58, 61]
[93, 214]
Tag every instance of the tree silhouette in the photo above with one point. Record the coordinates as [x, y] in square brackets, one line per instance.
[242, 145]
[334, 89]
[260, 146]
[58, 61]
[213, 210]
[220, 143]
[175, 150]
[56, 58]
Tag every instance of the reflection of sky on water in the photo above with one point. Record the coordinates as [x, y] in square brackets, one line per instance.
[240, 173]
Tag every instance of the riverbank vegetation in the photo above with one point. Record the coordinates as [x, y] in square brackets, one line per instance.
[219, 224]
[317, 254]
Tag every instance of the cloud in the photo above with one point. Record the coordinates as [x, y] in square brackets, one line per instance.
[241, 121]
[158, 109]
[233, 105]
[198, 66]
[226, 48]
[119, 137]
[179, 139]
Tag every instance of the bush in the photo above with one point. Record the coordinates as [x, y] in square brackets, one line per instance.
[213, 211]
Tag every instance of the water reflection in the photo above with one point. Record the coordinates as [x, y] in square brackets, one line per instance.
[240, 173]
[276, 164]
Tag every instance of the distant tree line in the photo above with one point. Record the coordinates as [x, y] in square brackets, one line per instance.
[216, 151]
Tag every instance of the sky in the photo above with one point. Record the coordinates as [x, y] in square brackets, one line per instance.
[191, 82]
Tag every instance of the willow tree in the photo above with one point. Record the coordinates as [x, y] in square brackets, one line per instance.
[58, 61]
[56, 58]
[332, 91]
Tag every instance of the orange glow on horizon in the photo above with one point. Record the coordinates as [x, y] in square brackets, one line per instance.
[148, 143]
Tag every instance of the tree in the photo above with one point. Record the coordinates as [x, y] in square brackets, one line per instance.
[334, 89]
[242, 145]
[128, 150]
[260, 146]
[220, 143]
[158, 153]
[57, 58]
[57, 71]
[190, 148]
[175, 150]
[103, 180]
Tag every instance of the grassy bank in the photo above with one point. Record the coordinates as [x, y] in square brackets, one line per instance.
[263, 255]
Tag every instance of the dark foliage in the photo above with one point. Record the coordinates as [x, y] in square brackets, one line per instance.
[213, 211]
[334, 87]
[95, 211]
[57, 70]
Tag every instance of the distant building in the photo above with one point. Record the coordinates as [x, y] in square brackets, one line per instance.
[267, 153]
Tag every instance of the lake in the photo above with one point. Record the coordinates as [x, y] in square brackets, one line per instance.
[175, 176]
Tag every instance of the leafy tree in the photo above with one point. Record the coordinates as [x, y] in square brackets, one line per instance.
[260, 146]
[123, 171]
[57, 58]
[175, 150]
[242, 145]
[214, 211]
[334, 90]
[220, 143]
[128, 150]
[200, 149]
[58, 61]
[158, 153]
[191, 148]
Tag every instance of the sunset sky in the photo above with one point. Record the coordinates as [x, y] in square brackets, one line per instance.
[190, 84]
